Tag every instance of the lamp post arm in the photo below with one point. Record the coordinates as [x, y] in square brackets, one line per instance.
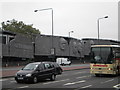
[43, 9]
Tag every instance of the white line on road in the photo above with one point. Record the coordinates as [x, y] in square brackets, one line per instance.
[6, 79]
[62, 75]
[108, 81]
[86, 86]
[83, 77]
[12, 81]
[3, 80]
[74, 82]
[23, 87]
[56, 81]
[80, 72]
[117, 86]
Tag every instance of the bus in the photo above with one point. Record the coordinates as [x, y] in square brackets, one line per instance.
[105, 60]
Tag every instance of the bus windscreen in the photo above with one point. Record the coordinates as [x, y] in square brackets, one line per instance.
[102, 55]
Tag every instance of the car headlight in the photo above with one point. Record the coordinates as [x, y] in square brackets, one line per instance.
[28, 75]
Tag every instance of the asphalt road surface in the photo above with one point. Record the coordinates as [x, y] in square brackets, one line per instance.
[75, 79]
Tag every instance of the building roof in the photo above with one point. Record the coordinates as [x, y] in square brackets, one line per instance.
[115, 41]
[105, 46]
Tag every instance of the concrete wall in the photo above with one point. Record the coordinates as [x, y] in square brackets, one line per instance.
[63, 46]
[42, 45]
[0, 58]
[20, 50]
[21, 46]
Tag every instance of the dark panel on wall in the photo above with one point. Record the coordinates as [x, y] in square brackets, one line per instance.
[5, 50]
[21, 46]
[42, 45]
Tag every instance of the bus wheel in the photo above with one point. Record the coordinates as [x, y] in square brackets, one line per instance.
[97, 75]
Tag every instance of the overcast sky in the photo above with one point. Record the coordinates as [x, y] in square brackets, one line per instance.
[79, 16]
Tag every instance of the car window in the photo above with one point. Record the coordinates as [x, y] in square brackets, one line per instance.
[47, 66]
[56, 65]
[52, 65]
[41, 67]
[30, 67]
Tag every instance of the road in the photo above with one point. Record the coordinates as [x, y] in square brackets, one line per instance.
[75, 79]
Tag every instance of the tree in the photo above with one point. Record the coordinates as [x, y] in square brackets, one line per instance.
[19, 27]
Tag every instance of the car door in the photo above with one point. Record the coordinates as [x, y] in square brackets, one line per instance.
[49, 70]
[40, 71]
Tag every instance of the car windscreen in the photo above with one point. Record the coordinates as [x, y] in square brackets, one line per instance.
[30, 67]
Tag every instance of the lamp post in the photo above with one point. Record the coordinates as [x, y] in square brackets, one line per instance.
[98, 21]
[1, 57]
[33, 43]
[69, 42]
[52, 49]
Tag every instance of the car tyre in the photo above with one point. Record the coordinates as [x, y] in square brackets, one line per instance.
[60, 72]
[35, 80]
[18, 81]
[53, 77]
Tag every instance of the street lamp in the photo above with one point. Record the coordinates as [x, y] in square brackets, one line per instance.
[69, 42]
[98, 26]
[52, 49]
[70, 32]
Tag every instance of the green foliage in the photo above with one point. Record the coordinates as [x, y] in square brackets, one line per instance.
[19, 27]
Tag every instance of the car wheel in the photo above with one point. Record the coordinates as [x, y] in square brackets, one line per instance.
[53, 77]
[60, 72]
[35, 80]
[18, 81]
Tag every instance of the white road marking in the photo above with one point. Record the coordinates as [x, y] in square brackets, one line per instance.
[86, 86]
[108, 81]
[74, 82]
[62, 75]
[117, 86]
[23, 87]
[56, 81]
[12, 81]
[3, 80]
[83, 77]
[80, 72]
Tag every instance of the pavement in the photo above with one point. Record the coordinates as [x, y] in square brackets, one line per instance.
[7, 72]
